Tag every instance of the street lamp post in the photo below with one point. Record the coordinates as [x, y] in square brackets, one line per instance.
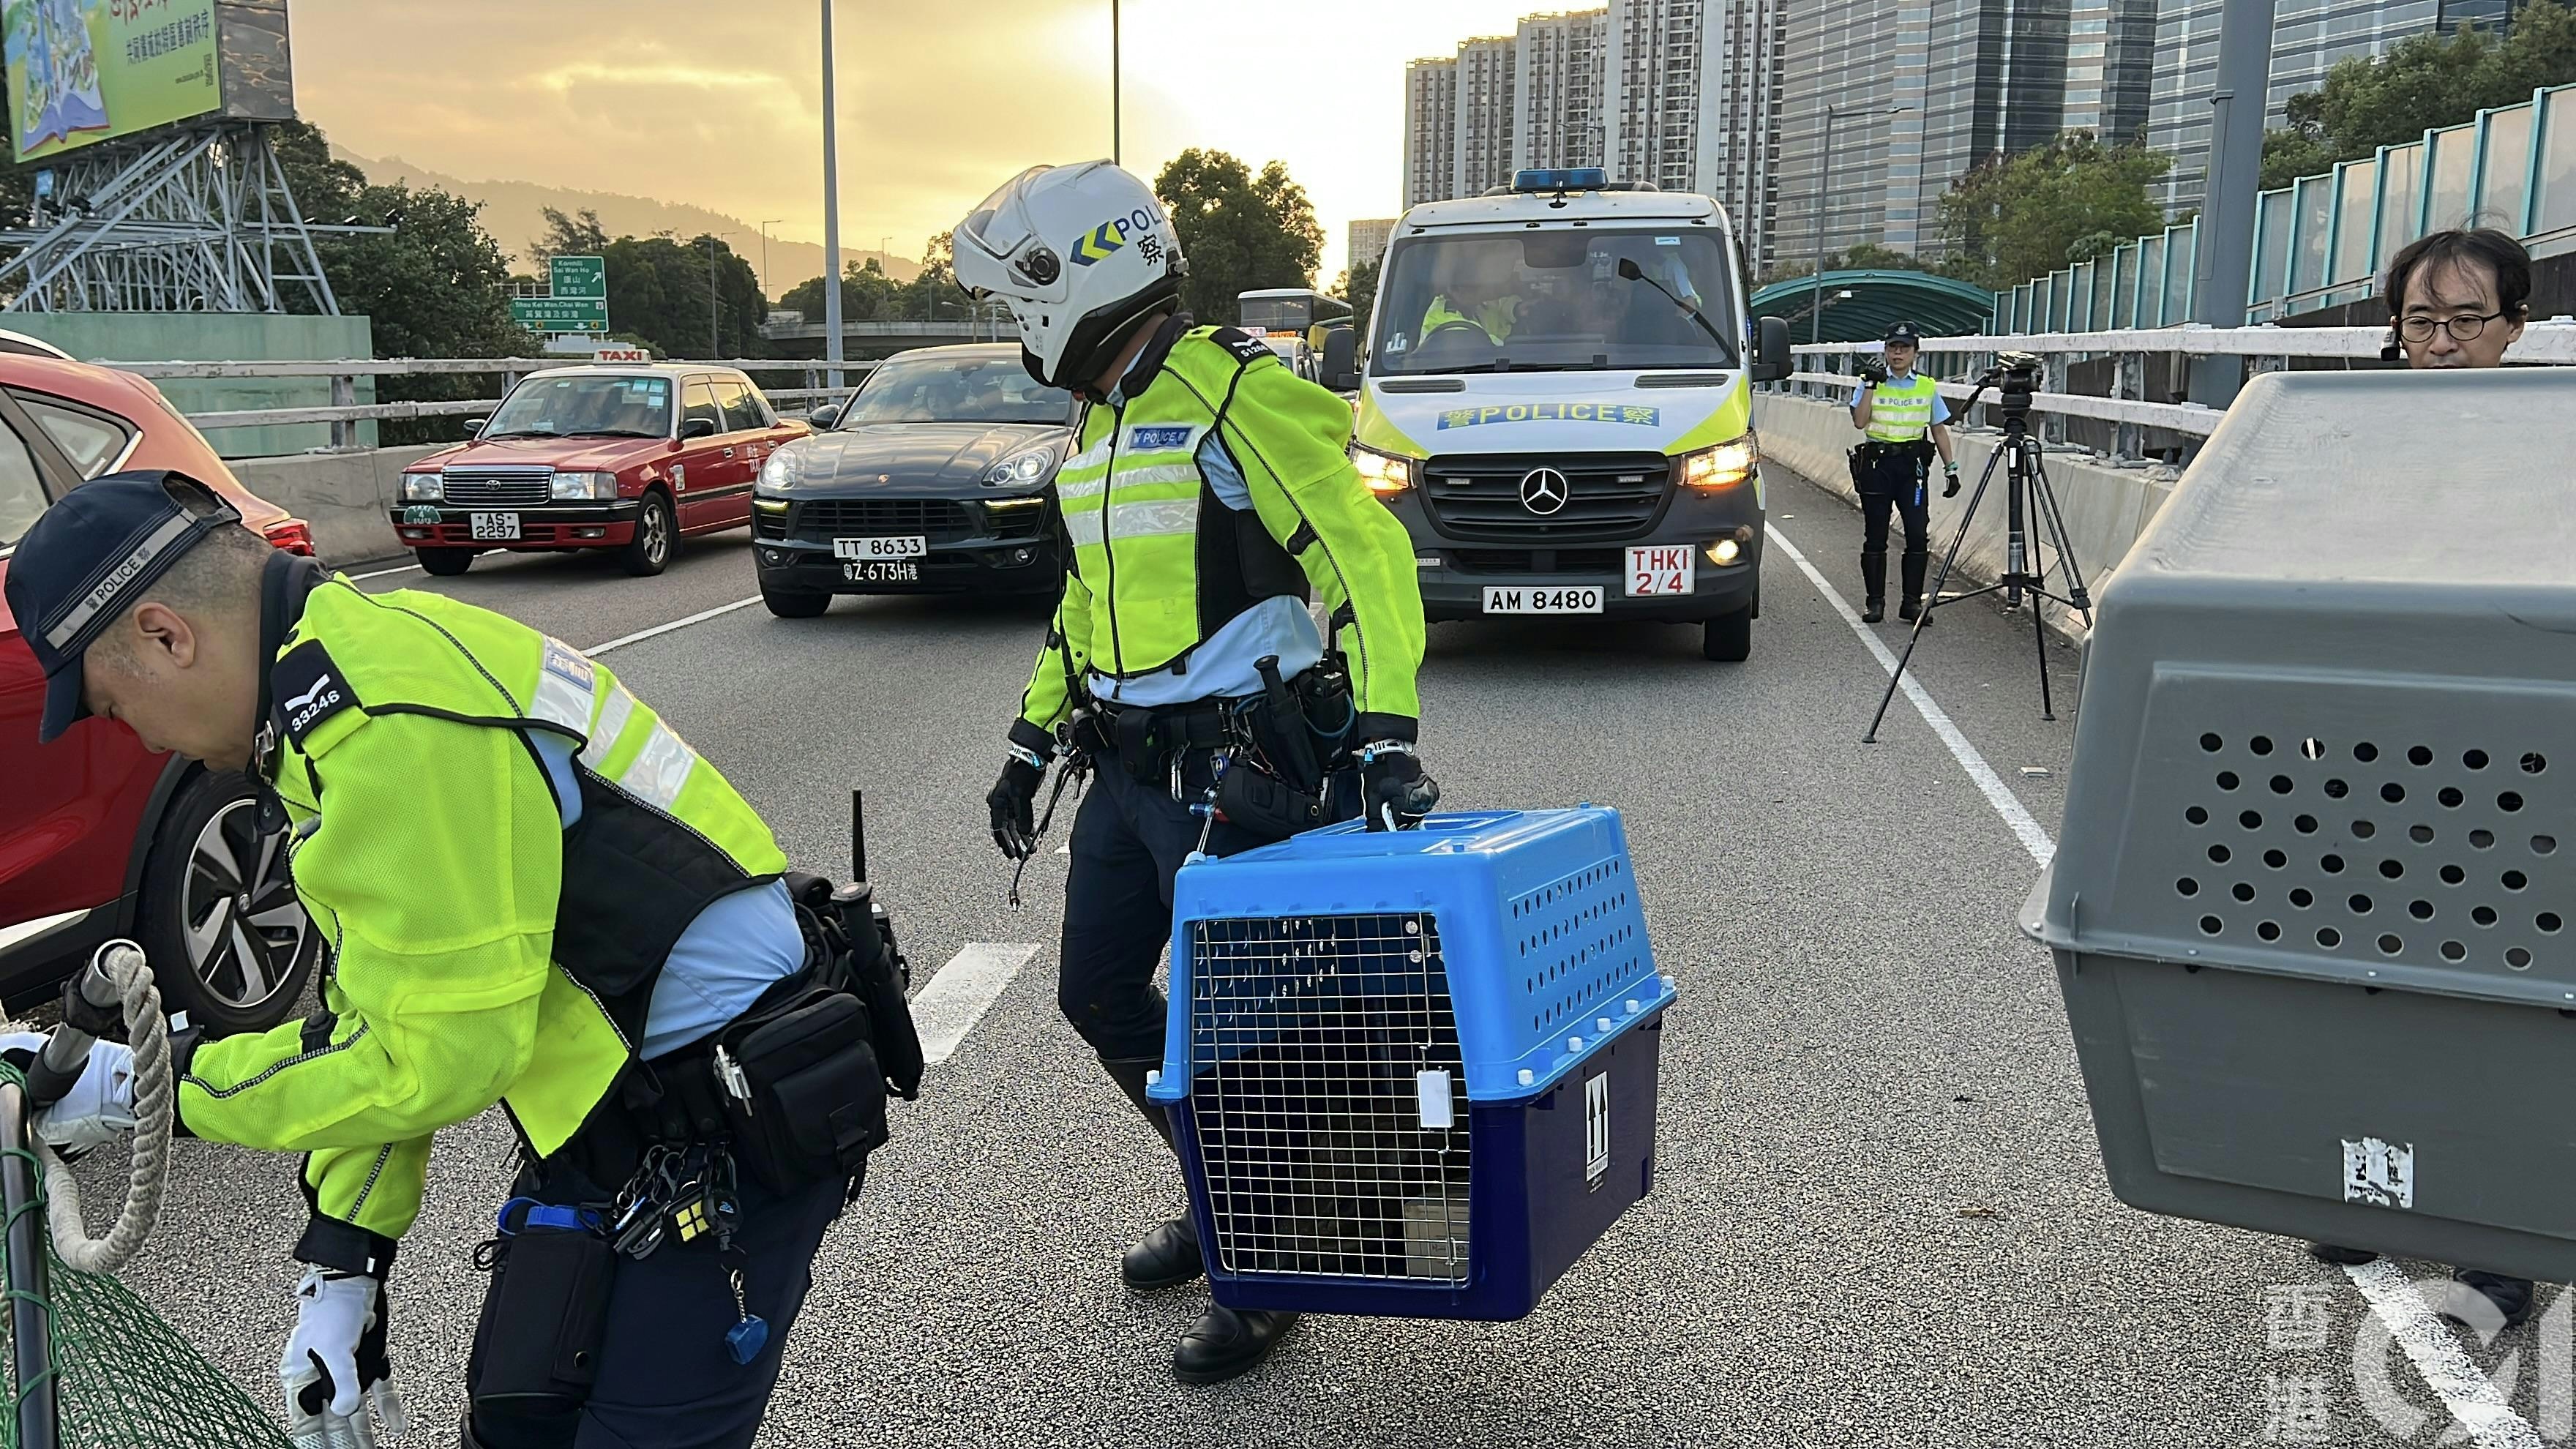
[1116, 158]
[1824, 199]
[764, 255]
[831, 217]
[715, 338]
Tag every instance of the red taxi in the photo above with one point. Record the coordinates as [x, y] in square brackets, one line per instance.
[629, 458]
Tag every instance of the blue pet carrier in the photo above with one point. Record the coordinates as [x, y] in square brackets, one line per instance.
[1413, 1074]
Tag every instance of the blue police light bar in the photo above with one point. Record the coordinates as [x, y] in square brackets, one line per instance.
[1561, 178]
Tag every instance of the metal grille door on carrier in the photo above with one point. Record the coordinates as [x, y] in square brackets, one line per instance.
[1331, 1100]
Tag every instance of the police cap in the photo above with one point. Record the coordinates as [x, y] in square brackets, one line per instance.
[1905, 332]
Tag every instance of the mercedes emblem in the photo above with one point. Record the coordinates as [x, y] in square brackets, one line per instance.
[1544, 491]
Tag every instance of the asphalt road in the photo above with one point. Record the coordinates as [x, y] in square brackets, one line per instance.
[1879, 1217]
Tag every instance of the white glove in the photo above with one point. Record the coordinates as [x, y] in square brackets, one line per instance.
[328, 1406]
[98, 1107]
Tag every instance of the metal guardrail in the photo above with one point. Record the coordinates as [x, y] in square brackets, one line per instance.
[2551, 343]
[344, 411]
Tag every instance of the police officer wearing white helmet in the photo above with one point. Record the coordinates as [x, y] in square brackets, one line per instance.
[1209, 491]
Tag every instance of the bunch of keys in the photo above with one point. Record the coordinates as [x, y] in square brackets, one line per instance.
[1205, 809]
[636, 1217]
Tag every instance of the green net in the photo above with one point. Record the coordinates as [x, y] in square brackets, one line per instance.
[122, 1378]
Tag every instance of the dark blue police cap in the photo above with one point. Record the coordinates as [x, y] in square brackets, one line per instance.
[1904, 332]
[91, 555]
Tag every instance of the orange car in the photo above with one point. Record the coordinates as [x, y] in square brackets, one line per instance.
[99, 837]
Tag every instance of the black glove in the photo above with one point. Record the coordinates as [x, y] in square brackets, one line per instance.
[1014, 798]
[1950, 470]
[1871, 370]
[1394, 793]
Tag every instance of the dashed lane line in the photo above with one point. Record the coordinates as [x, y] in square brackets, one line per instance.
[948, 1007]
[384, 573]
[2464, 1389]
[657, 630]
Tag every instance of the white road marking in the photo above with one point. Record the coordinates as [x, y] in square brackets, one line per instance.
[954, 1000]
[2464, 1389]
[2024, 827]
[699, 617]
[384, 573]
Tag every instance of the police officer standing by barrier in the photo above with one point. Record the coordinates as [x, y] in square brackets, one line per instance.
[1904, 418]
[2456, 299]
[535, 893]
[1208, 489]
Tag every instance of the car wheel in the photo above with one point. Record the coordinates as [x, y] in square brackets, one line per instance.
[1728, 638]
[791, 605]
[228, 939]
[446, 563]
[655, 537]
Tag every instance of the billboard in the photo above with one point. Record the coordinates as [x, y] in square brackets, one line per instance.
[84, 71]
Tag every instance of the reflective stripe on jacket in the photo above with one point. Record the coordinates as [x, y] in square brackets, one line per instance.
[1901, 412]
[1160, 564]
[479, 952]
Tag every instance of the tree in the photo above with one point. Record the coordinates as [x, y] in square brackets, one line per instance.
[933, 293]
[1358, 286]
[2009, 220]
[568, 236]
[1240, 231]
[658, 293]
[867, 295]
[2422, 83]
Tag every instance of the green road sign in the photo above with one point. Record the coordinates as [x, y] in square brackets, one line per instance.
[579, 277]
[559, 314]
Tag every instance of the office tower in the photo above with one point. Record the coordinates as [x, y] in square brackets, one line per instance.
[1739, 109]
[2110, 67]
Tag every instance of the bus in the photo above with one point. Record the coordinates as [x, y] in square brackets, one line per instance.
[1288, 311]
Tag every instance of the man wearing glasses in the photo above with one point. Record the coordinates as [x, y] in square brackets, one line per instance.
[2458, 299]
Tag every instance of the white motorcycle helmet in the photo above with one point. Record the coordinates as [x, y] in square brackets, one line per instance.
[1079, 254]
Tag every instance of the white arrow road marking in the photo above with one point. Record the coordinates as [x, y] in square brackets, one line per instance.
[947, 1008]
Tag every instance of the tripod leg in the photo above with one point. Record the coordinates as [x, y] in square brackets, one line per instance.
[2075, 594]
[2039, 639]
[1914, 636]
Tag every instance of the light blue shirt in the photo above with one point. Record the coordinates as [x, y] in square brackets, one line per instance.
[736, 949]
[1222, 667]
[1940, 404]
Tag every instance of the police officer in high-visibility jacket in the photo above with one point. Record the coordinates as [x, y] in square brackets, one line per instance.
[1207, 491]
[535, 893]
[1904, 418]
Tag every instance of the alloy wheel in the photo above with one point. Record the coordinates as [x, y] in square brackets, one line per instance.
[246, 931]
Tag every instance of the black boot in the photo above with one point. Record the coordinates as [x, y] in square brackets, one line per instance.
[1914, 565]
[1168, 1256]
[1226, 1344]
[1873, 582]
[2511, 1296]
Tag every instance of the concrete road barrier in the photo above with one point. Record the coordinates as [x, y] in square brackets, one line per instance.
[344, 496]
[2105, 507]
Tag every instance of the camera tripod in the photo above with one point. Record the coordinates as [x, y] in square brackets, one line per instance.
[2026, 492]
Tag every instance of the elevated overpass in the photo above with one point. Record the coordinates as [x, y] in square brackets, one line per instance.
[883, 339]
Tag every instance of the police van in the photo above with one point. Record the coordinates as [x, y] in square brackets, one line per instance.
[1557, 401]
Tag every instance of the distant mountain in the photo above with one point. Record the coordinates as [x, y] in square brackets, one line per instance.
[514, 212]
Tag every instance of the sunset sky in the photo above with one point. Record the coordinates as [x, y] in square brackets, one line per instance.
[720, 104]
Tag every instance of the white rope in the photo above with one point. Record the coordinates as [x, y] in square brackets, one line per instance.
[155, 1096]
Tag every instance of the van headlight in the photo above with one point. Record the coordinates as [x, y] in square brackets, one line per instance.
[1386, 474]
[1713, 470]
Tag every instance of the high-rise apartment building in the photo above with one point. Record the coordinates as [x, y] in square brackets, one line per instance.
[1650, 102]
[1851, 126]
[1561, 69]
[1430, 130]
[1368, 240]
[2308, 38]
[1488, 91]
[1739, 109]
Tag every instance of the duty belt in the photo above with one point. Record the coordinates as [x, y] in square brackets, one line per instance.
[1911, 447]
